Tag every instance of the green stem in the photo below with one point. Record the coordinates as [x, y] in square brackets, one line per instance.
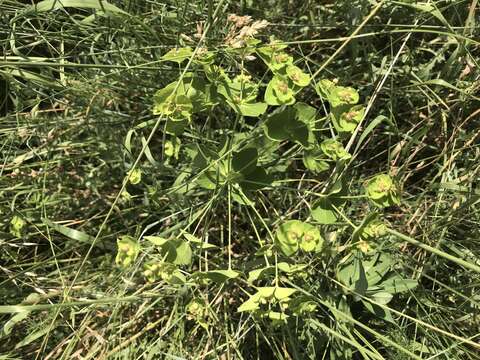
[435, 251]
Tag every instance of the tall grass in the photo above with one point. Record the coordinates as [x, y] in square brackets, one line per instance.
[77, 80]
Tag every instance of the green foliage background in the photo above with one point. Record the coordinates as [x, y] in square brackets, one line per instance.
[77, 82]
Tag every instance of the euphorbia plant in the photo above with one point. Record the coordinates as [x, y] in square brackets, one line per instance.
[257, 122]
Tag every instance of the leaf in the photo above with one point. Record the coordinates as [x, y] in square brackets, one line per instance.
[245, 161]
[48, 5]
[277, 316]
[196, 241]
[297, 75]
[251, 304]
[33, 77]
[69, 232]
[156, 240]
[15, 319]
[334, 150]
[135, 176]
[324, 213]
[360, 279]
[382, 297]
[217, 276]
[176, 251]
[288, 236]
[33, 336]
[314, 160]
[371, 229]
[260, 273]
[240, 90]
[379, 311]
[371, 126]
[165, 271]
[349, 119]
[256, 180]
[324, 88]
[282, 293]
[352, 274]
[17, 225]
[128, 250]
[279, 92]
[175, 127]
[274, 58]
[178, 55]
[182, 254]
[377, 268]
[382, 191]
[396, 284]
[249, 109]
[311, 239]
[305, 113]
[298, 132]
[340, 95]
[266, 292]
[428, 8]
[276, 126]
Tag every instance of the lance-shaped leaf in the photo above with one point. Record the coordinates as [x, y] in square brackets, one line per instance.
[217, 276]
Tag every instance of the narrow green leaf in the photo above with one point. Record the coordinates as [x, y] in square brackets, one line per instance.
[49, 5]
